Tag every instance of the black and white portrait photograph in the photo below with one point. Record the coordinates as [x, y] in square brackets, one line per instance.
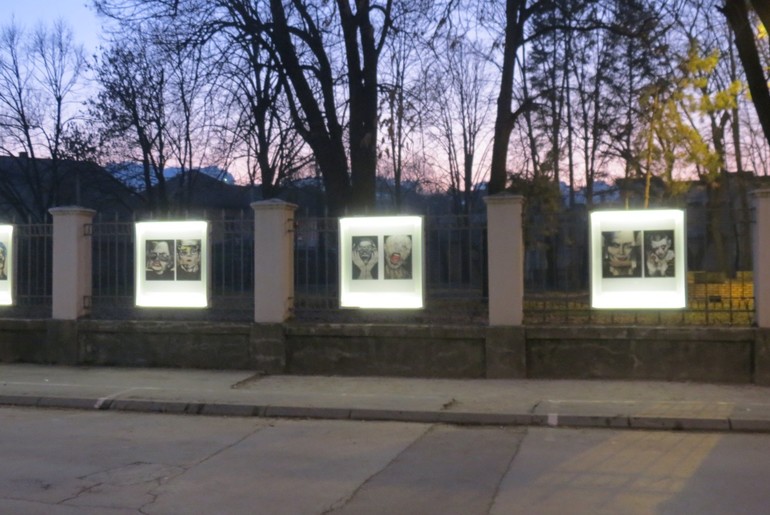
[621, 254]
[659, 254]
[638, 259]
[365, 257]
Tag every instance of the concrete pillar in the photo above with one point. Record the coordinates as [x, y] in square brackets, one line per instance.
[761, 256]
[273, 260]
[505, 248]
[71, 262]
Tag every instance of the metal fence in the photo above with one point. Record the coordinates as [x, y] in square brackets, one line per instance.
[455, 278]
[720, 289]
[231, 240]
[34, 271]
[455, 273]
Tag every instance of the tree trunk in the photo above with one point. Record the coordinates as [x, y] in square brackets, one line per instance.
[516, 15]
[738, 18]
[322, 133]
[362, 83]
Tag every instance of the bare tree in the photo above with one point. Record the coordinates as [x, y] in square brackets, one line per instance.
[307, 63]
[461, 93]
[320, 50]
[547, 73]
[258, 117]
[39, 73]
[517, 14]
[597, 116]
[131, 105]
[402, 94]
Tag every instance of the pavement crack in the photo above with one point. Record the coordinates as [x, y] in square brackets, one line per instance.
[533, 409]
[243, 383]
[342, 502]
[81, 492]
[154, 492]
[508, 468]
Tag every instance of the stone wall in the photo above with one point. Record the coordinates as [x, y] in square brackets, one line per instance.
[724, 355]
[389, 350]
[674, 354]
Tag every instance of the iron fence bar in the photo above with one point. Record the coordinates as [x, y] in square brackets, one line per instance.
[455, 270]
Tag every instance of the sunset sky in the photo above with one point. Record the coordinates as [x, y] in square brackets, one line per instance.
[28, 13]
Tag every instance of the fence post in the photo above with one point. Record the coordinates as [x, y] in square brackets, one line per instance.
[71, 262]
[505, 244]
[273, 260]
[761, 257]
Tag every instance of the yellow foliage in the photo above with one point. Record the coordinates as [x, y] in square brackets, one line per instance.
[673, 107]
[678, 188]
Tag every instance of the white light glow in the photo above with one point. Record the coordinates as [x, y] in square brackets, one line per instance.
[639, 300]
[642, 292]
[171, 300]
[171, 293]
[7, 283]
[381, 300]
[379, 292]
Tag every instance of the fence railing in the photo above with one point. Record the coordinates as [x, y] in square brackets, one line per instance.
[232, 257]
[720, 288]
[556, 273]
[34, 274]
[455, 272]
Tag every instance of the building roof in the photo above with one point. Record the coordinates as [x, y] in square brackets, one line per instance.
[29, 187]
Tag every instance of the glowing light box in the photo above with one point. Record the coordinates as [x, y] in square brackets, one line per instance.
[7, 261]
[638, 259]
[172, 264]
[381, 262]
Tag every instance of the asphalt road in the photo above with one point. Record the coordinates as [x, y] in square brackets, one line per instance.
[62, 462]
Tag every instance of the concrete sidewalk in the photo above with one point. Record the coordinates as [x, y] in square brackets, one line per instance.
[613, 404]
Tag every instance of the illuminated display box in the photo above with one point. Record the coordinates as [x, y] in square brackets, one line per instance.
[7, 272]
[172, 264]
[381, 262]
[638, 259]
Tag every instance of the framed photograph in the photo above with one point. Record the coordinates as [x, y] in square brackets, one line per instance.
[172, 264]
[638, 259]
[7, 268]
[381, 262]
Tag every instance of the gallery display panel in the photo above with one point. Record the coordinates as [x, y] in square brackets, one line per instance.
[638, 259]
[172, 264]
[381, 262]
[7, 260]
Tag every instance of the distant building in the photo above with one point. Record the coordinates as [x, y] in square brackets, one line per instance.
[198, 192]
[30, 187]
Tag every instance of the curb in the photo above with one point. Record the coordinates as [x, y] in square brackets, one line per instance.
[389, 415]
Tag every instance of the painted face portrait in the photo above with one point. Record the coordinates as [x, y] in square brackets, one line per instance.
[621, 254]
[160, 260]
[365, 257]
[366, 249]
[188, 256]
[3, 258]
[398, 249]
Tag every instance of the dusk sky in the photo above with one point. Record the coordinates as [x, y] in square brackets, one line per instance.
[28, 13]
